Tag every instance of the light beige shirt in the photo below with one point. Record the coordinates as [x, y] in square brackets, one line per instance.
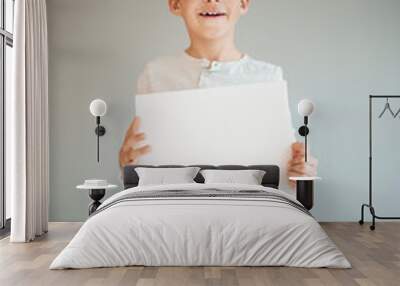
[186, 72]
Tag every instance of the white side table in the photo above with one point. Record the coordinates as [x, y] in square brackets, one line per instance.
[97, 190]
[305, 190]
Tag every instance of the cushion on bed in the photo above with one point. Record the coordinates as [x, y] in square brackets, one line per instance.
[271, 177]
[163, 176]
[248, 177]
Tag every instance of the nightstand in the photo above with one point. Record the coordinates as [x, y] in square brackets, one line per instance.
[97, 190]
[305, 190]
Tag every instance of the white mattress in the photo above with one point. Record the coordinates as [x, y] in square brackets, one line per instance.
[200, 231]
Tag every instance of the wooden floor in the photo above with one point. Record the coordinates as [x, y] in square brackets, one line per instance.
[375, 257]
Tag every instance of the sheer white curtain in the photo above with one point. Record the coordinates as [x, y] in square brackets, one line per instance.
[28, 123]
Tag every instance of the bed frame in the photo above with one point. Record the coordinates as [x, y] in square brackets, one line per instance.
[270, 179]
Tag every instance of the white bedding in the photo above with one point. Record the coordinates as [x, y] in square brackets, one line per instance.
[200, 231]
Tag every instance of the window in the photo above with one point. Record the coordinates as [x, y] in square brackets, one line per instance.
[6, 45]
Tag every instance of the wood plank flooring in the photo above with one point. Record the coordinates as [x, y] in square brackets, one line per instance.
[375, 257]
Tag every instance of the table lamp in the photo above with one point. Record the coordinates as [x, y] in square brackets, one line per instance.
[98, 108]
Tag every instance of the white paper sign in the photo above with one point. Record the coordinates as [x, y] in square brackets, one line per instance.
[242, 124]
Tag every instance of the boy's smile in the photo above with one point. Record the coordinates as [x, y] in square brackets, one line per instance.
[213, 14]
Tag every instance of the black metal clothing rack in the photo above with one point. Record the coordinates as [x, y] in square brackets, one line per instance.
[370, 205]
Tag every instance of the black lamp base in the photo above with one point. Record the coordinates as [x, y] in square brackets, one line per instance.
[100, 130]
[304, 131]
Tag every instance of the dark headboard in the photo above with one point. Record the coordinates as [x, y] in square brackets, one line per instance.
[270, 179]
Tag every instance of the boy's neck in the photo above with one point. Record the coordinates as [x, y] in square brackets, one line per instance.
[214, 50]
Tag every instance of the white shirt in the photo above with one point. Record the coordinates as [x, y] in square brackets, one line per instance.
[186, 72]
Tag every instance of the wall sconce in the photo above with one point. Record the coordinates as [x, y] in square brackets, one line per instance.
[305, 108]
[98, 108]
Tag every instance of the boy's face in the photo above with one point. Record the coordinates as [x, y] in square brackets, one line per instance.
[209, 19]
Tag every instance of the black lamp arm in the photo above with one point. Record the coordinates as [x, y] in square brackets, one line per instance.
[304, 131]
[100, 131]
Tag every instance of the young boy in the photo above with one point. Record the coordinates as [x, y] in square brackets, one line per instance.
[211, 60]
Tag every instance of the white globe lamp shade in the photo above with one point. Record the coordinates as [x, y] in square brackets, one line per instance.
[305, 107]
[98, 107]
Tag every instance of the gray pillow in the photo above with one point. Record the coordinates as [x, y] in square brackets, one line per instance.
[248, 177]
[162, 176]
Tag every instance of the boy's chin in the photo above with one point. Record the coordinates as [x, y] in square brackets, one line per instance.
[212, 34]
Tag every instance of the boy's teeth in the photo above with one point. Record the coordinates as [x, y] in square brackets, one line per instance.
[210, 13]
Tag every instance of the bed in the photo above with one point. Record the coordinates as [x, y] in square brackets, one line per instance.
[201, 224]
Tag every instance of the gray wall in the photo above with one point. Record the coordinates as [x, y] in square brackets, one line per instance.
[333, 52]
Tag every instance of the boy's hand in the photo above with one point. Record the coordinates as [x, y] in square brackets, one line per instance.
[297, 167]
[129, 152]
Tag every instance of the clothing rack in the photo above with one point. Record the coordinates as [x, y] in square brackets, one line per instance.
[370, 205]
